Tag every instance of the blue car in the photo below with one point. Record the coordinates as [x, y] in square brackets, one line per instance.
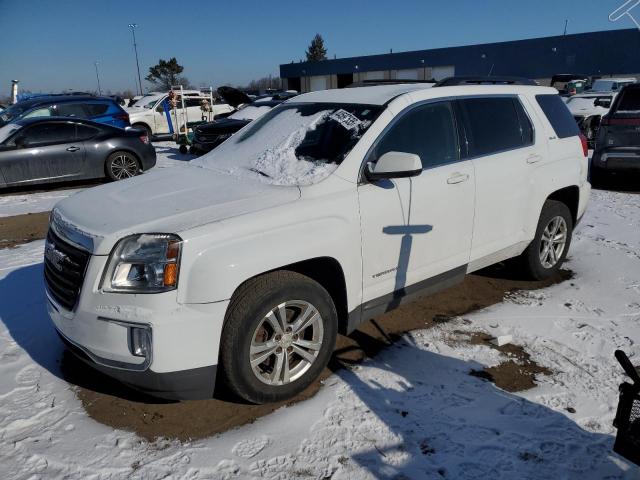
[98, 109]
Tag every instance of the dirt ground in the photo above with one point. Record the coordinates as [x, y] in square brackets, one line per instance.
[115, 405]
[23, 228]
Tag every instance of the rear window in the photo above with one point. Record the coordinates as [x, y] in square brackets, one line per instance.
[495, 124]
[558, 115]
[95, 109]
[629, 101]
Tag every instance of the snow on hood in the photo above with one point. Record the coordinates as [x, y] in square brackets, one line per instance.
[167, 201]
[269, 152]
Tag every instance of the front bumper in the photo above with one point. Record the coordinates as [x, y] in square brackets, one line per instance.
[617, 159]
[182, 357]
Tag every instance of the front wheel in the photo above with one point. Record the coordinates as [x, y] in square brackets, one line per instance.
[122, 165]
[279, 333]
[545, 254]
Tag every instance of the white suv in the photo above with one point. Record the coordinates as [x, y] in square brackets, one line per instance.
[330, 209]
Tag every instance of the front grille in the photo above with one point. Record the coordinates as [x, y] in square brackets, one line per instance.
[64, 269]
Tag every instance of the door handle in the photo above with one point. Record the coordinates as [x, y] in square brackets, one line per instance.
[457, 178]
[535, 158]
[73, 149]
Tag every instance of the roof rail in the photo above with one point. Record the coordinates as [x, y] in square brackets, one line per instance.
[386, 81]
[470, 80]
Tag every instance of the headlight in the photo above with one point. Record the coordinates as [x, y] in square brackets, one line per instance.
[147, 263]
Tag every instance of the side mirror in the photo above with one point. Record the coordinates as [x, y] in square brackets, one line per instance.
[20, 141]
[395, 165]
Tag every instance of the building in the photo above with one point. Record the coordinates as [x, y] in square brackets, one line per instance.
[608, 53]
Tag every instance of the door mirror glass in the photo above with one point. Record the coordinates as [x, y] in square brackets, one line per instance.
[395, 165]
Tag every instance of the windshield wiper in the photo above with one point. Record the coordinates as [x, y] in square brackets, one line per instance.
[259, 172]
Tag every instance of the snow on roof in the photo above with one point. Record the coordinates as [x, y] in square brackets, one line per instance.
[373, 95]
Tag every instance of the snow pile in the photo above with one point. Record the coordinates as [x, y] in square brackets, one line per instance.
[250, 112]
[268, 151]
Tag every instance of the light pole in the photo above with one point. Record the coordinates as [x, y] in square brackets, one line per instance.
[132, 26]
[97, 77]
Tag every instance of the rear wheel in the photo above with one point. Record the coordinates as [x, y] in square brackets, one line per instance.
[545, 254]
[279, 333]
[122, 165]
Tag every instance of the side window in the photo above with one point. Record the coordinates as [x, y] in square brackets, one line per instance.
[630, 100]
[558, 115]
[96, 109]
[192, 102]
[85, 132]
[39, 112]
[46, 133]
[70, 110]
[491, 125]
[429, 131]
[526, 129]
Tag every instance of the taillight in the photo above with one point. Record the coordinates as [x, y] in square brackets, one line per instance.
[144, 138]
[122, 116]
[585, 145]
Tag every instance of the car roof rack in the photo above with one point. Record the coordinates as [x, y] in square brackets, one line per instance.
[387, 81]
[470, 80]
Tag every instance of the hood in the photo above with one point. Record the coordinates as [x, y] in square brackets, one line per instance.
[233, 96]
[165, 201]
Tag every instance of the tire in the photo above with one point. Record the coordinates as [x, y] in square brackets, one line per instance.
[142, 126]
[122, 165]
[193, 151]
[253, 311]
[183, 149]
[536, 261]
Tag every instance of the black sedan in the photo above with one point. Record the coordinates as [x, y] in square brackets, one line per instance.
[58, 149]
[208, 136]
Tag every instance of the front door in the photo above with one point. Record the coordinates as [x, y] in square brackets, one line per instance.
[415, 230]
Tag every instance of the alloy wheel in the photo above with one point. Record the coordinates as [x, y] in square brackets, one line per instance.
[554, 240]
[286, 342]
[124, 166]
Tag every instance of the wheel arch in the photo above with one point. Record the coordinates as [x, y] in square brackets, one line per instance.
[328, 272]
[570, 196]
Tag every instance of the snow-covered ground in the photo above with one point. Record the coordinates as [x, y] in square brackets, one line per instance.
[412, 412]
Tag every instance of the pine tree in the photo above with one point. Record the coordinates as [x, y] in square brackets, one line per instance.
[167, 73]
[316, 51]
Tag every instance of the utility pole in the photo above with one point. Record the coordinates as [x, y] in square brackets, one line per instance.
[97, 77]
[566, 22]
[132, 26]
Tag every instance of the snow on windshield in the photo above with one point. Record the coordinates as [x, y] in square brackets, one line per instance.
[293, 144]
[583, 103]
[250, 112]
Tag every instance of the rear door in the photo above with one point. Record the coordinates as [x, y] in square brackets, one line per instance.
[41, 152]
[499, 139]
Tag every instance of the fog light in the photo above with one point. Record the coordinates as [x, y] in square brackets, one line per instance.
[139, 341]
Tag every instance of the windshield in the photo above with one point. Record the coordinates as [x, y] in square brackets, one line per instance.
[250, 112]
[293, 144]
[7, 130]
[147, 102]
[13, 112]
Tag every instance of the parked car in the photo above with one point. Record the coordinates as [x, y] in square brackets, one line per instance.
[611, 84]
[569, 84]
[148, 113]
[98, 109]
[327, 211]
[209, 135]
[57, 149]
[618, 141]
[588, 109]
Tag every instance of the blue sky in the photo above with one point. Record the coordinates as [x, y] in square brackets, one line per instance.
[51, 45]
